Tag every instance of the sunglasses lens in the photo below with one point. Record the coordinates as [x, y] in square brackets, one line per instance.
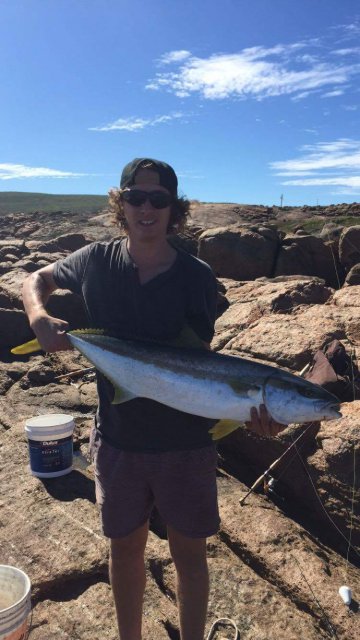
[135, 198]
[158, 199]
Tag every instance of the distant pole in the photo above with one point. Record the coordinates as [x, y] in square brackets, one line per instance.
[281, 200]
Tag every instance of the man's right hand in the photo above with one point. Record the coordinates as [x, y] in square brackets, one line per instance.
[51, 333]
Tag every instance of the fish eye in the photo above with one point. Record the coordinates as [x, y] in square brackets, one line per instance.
[306, 392]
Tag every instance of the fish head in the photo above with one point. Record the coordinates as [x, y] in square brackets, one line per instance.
[289, 398]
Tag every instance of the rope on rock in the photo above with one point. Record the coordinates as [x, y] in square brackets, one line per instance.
[221, 622]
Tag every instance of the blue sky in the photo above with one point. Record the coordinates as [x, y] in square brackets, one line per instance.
[247, 100]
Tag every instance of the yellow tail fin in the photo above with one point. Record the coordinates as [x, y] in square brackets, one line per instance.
[28, 347]
[34, 345]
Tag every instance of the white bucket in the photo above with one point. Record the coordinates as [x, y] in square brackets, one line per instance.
[50, 440]
[15, 604]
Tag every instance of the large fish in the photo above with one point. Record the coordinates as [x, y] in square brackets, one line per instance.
[202, 382]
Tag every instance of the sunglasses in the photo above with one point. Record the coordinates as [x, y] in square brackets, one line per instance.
[157, 199]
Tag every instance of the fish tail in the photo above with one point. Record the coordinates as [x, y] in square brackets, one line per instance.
[27, 347]
[34, 345]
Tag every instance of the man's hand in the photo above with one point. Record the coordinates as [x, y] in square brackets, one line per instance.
[50, 332]
[263, 424]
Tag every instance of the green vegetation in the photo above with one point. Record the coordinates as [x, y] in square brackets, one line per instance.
[315, 225]
[17, 202]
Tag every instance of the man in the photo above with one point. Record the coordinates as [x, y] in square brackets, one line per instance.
[145, 453]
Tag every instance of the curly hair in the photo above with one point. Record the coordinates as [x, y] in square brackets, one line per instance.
[179, 211]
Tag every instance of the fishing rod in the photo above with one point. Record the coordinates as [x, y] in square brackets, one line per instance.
[274, 464]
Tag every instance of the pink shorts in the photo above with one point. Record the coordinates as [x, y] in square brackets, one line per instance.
[181, 484]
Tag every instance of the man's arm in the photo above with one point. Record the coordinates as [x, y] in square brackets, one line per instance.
[36, 291]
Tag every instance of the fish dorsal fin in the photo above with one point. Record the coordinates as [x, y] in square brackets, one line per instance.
[187, 338]
[223, 428]
[98, 332]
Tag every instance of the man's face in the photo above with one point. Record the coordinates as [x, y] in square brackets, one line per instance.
[146, 222]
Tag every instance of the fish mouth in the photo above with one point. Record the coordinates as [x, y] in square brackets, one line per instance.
[332, 412]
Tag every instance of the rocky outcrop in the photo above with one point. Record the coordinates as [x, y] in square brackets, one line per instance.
[63, 304]
[279, 560]
[265, 568]
[239, 253]
[307, 255]
[349, 247]
[353, 277]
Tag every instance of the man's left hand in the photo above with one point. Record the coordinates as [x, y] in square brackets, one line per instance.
[263, 424]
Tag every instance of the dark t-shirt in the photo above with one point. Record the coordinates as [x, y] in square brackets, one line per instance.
[104, 275]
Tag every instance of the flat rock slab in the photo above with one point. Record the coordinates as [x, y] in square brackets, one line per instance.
[91, 615]
[260, 610]
[50, 528]
[20, 404]
[308, 573]
[278, 294]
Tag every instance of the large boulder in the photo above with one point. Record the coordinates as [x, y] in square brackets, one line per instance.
[349, 247]
[14, 323]
[308, 255]
[353, 277]
[239, 253]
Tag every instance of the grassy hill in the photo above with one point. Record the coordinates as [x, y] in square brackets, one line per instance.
[18, 202]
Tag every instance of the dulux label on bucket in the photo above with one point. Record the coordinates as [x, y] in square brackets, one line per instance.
[50, 440]
[51, 455]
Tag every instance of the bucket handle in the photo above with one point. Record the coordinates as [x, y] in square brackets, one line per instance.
[29, 629]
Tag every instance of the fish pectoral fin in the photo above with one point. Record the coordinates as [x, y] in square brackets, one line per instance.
[122, 395]
[27, 347]
[223, 428]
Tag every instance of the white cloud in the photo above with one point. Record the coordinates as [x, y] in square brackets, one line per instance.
[347, 52]
[350, 107]
[9, 171]
[342, 181]
[301, 96]
[136, 124]
[333, 94]
[348, 31]
[174, 56]
[254, 72]
[335, 163]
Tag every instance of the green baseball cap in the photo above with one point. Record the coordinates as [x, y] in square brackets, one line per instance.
[167, 175]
